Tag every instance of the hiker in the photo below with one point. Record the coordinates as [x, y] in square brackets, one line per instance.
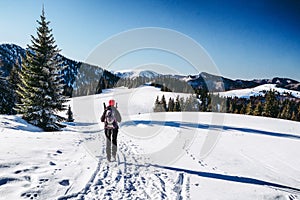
[111, 117]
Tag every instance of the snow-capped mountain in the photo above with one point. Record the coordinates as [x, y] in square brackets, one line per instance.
[212, 82]
[218, 83]
[136, 73]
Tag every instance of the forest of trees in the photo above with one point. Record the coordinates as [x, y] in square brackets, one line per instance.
[271, 105]
[166, 83]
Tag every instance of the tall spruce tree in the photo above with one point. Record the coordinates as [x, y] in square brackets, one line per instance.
[41, 85]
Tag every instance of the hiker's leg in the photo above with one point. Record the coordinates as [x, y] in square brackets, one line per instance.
[108, 143]
[114, 142]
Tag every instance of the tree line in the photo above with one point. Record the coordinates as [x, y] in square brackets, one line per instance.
[272, 104]
[165, 83]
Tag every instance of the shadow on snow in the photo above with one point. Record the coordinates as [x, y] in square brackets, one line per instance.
[207, 126]
[237, 179]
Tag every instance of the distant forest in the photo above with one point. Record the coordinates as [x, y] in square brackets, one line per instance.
[271, 105]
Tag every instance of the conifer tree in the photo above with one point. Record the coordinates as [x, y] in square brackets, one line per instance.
[171, 105]
[6, 96]
[182, 103]
[157, 105]
[249, 110]
[286, 112]
[164, 103]
[258, 109]
[271, 108]
[41, 85]
[294, 117]
[243, 109]
[14, 80]
[70, 115]
[203, 99]
[177, 107]
[297, 112]
[293, 110]
[100, 86]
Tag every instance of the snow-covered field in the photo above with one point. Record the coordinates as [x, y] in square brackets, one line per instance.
[160, 155]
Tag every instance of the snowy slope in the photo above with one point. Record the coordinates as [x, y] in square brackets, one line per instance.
[159, 157]
[259, 90]
[136, 73]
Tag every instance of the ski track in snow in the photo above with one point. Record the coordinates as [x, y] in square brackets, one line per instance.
[130, 177]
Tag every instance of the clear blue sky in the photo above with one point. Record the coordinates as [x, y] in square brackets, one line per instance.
[246, 39]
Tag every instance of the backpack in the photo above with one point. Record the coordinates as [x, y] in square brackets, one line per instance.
[110, 119]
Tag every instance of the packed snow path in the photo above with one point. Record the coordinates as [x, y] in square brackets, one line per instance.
[130, 177]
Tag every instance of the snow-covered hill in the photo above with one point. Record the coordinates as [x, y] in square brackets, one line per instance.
[160, 155]
[259, 90]
[136, 73]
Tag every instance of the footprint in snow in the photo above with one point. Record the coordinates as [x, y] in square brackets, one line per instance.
[64, 182]
[43, 180]
[30, 195]
[52, 163]
[59, 151]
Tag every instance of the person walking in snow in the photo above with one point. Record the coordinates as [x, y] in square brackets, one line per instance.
[111, 117]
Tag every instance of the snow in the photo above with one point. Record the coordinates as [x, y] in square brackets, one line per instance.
[190, 78]
[160, 155]
[136, 73]
[259, 90]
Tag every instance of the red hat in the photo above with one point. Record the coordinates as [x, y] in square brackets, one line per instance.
[111, 102]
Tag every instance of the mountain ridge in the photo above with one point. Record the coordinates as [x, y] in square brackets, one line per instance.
[213, 82]
[85, 79]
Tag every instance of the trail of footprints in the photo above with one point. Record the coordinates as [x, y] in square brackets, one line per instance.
[37, 185]
[132, 178]
[128, 178]
[200, 162]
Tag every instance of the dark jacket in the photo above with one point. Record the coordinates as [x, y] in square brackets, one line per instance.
[116, 112]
